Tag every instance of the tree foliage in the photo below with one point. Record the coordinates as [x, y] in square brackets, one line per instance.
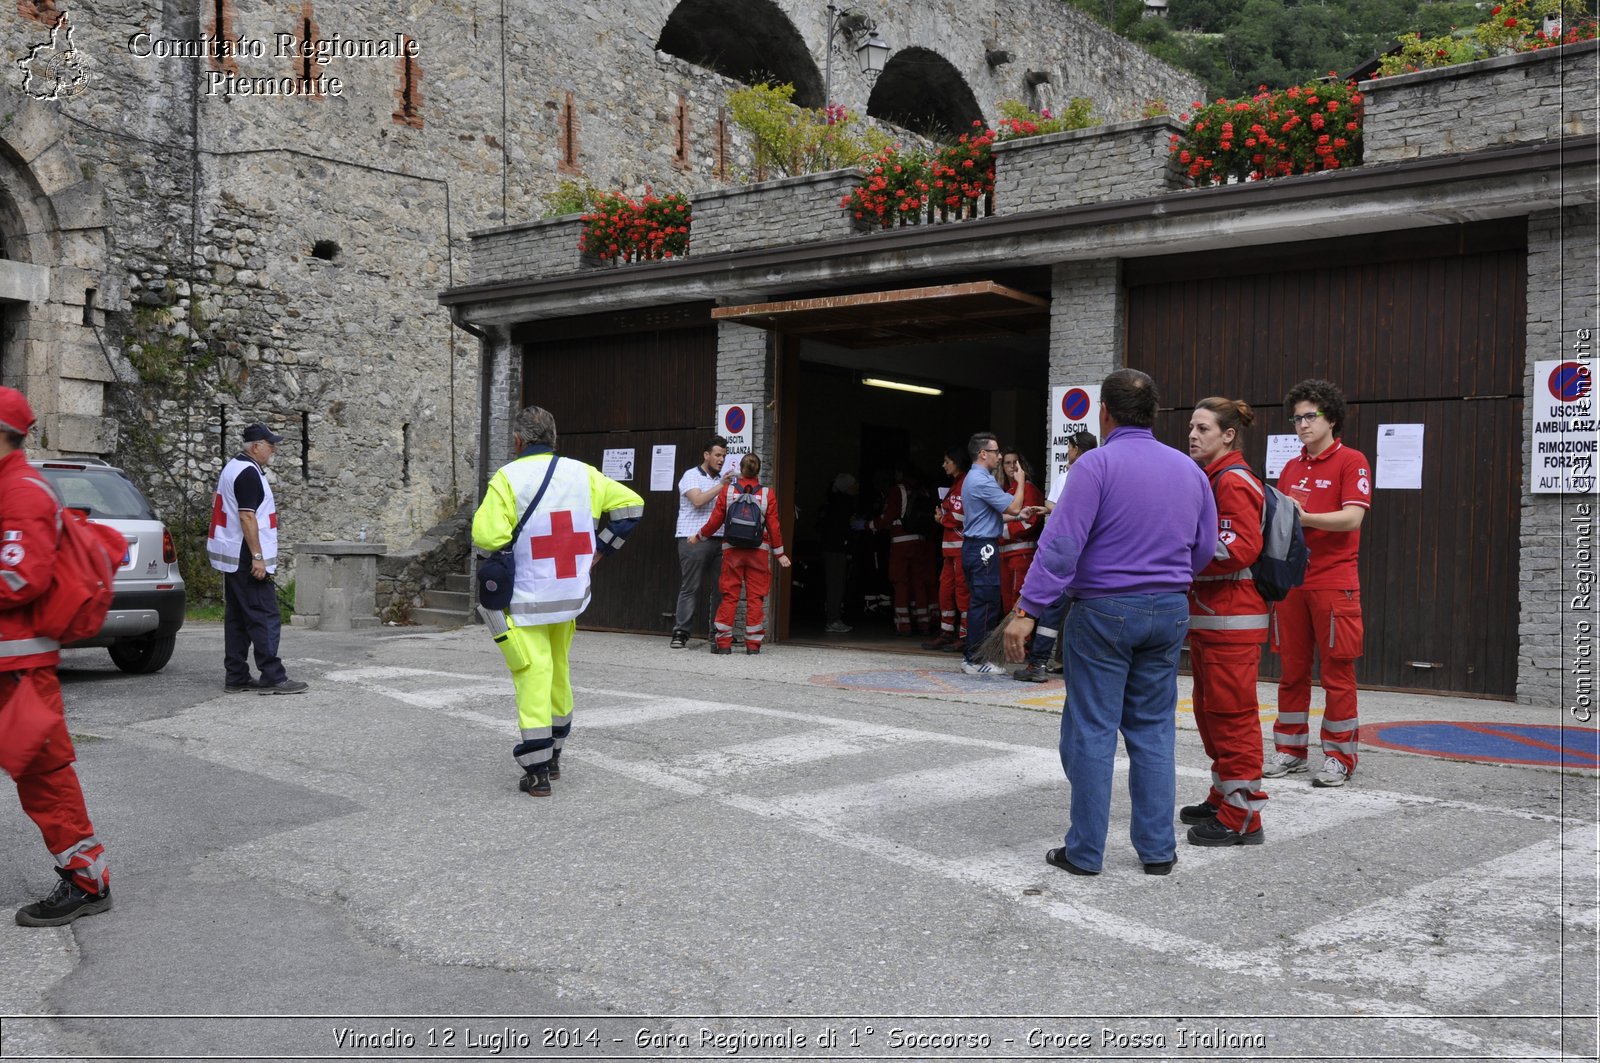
[1235, 46]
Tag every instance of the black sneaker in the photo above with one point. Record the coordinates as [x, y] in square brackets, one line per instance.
[1204, 812]
[65, 903]
[1213, 833]
[536, 782]
[680, 639]
[1032, 672]
[240, 688]
[288, 686]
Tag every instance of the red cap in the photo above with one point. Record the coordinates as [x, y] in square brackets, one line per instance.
[15, 413]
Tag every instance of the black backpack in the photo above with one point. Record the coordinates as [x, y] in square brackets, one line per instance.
[746, 521]
[1284, 556]
[918, 518]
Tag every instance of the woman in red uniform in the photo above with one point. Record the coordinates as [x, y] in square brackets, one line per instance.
[1227, 625]
[745, 567]
[1019, 538]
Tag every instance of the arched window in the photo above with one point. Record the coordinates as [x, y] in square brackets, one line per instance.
[746, 40]
[922, 91]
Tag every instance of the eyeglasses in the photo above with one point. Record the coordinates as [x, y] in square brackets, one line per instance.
[989, 450]
[1304, 418]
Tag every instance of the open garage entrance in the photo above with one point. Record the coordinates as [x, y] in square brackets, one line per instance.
[875, 388]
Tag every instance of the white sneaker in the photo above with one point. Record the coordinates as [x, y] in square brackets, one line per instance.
[1279, 764]
[982, 668]
[1332, 773]
[837, 627]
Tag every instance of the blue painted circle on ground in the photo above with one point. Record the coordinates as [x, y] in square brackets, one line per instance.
[1510, 743]
[735, 420]
[1570, 381]
[1075, 404]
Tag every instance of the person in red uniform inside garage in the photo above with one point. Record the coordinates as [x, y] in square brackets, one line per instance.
[1331, 485]
[35, 748]
[744, 561]
[1019, 537]
[953, 595]
[1227, 625]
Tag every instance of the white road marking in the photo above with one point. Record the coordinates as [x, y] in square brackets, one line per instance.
[784, 752]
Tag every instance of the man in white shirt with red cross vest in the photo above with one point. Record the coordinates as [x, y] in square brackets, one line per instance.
[557, 546]
[243, 546]
[1331, 485]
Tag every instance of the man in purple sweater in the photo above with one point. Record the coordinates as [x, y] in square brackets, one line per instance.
[1136, 523]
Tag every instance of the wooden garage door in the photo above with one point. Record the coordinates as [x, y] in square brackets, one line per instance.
[635, 385]
[1415, 328]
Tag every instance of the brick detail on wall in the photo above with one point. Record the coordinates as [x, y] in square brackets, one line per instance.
[305, 61]
[1556, 532]
[42, 11]
[567, 138]
[680, 135]
[721, 171]
[532, 250]
[222, 29]
[1511, 99]
[408, 95]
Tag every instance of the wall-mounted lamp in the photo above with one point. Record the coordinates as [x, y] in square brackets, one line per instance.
[900, 385]
[861, 33]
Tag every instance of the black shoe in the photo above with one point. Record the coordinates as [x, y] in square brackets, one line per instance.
[749, 649]
[65, 903]
[240, 688]
[1055, 668]
[1204, 812]
[288, 686]
[723, 650]
[1163, 868]
[1030, 673]
[1212, 832]
[1058, 858]
[940, 643]
[555, 766]
[536, 782]
[680, 639]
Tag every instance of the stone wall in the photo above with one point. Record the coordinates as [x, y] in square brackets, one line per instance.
[1557, 533]
[744, 374]
[791, 210]
[1511, 99]
[1086, 322]
[404, 575]
[1121, 161]
[528, 251]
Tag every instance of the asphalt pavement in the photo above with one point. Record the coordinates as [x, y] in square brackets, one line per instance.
[811, 853]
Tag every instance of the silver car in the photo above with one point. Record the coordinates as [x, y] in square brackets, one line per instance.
[147, 605]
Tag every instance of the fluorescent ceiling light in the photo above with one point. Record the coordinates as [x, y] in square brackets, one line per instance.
[900, 385]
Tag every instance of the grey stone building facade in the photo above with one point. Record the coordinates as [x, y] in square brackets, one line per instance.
[213, 214]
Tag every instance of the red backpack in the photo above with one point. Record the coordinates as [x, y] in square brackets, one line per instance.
[87, 558]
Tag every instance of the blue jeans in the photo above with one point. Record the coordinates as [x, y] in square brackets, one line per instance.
[983, 587]
[1121, 661]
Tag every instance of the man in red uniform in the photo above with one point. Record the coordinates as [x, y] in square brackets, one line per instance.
[909, 575]
[953, 595]
[745, 566]
[1331, 485]
[34, 745]
[1227, 625]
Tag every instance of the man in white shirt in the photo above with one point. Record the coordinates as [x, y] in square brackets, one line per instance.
[697, 493]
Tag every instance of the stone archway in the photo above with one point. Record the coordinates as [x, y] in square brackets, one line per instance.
[746, 40]
[923, 91]
[54, 285]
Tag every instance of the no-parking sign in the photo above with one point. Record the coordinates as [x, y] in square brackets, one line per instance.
[737, 424]
[1073, 409]
[1564, 438]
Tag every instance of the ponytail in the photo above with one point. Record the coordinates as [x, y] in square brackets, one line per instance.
[1231, 414]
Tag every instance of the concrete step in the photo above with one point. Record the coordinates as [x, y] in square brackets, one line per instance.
[459, 582]
[444, 619]
[459, 601]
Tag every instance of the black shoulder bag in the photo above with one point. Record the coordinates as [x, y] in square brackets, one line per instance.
[497, 573]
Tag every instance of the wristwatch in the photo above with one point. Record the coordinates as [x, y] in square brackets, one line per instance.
[1020, 615]
[258, 557]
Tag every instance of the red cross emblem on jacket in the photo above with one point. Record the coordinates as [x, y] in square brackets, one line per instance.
[563, 545]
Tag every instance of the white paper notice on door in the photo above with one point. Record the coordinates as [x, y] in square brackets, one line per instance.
[618, 464]
[1280, 450]
[663, 459]
[1399, 461]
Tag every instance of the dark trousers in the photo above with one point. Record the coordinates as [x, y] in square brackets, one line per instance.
[701, 567]
[250, 620]
[1046, 630]
[980, 562]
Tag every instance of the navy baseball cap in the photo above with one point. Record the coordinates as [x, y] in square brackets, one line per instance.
[259, 432]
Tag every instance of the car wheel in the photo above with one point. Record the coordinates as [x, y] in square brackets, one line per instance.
[142, 656]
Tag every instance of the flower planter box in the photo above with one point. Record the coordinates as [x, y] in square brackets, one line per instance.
[1126, 160]
[528, 251]
[790, 210]
[1510, 99]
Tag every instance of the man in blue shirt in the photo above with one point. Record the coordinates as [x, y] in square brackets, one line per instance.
[986, 508]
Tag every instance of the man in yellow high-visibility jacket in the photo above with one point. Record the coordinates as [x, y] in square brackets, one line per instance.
[558, 544]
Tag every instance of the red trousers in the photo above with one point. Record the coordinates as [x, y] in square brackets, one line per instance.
[1229, 718]
[750, 569]
[1327, 625]
[914, 580]
[953, 595]
[1013, 570]
[47, 785]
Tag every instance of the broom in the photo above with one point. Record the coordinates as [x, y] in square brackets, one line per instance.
[993, 648]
